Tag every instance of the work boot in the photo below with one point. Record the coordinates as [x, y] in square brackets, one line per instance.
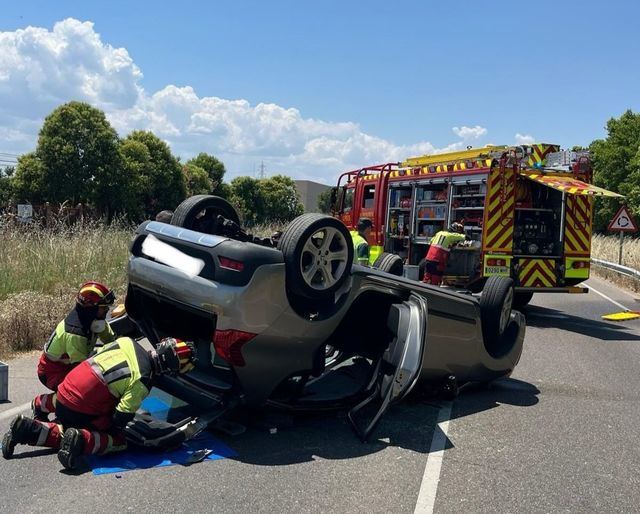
[17, 434]
[71, 448]
[37, 413]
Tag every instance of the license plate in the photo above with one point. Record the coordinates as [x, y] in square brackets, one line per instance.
[496, 270]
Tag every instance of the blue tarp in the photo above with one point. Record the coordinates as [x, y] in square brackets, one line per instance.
[159, 405]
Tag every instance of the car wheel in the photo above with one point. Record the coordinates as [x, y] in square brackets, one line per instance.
[318, 254]
[496, 302]
[199, 212]
[389, 262]
[521, 299]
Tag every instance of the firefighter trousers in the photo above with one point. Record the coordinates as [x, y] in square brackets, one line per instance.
[96, 441]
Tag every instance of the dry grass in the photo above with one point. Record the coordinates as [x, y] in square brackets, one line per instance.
[607, 248]
[41, 269]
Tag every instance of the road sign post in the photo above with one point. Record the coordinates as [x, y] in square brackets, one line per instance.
[622, 222]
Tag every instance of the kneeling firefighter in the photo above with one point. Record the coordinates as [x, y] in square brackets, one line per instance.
[98, 398]
[439, 251]
[72, 341]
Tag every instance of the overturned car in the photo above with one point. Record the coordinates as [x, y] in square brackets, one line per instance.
[296, 325]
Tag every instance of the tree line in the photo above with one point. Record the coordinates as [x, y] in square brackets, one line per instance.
[79, 158]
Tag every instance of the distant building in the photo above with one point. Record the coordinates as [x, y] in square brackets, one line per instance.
[309, 192]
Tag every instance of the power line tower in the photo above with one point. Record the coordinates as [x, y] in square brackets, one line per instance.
[262, 170]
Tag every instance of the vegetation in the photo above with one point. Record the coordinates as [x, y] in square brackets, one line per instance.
[616, 163]
[324, 201]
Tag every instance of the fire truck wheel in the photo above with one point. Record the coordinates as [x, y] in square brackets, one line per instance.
[318, 254]
[521, 299]
[495, 307]
[390, 262]
[187, 214]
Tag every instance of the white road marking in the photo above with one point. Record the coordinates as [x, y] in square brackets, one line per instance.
[431, 477]
[14, 411]
[607, 298]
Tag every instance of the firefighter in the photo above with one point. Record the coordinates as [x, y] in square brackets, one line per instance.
[72, 341]
[439, 250]
[361, 241]
[98, 398]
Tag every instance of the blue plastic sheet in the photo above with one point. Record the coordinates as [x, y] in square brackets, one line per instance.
[159, 406]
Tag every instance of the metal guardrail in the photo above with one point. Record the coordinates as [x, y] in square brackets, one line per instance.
[618, 268]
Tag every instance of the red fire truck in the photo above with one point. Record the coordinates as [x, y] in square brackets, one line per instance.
[526, 209]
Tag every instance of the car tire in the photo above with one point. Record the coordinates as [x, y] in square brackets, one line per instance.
[316, 269]
[390, 263]
[520, 299]
[185, 214]
[496, 302]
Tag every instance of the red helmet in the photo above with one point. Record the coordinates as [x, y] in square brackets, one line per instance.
[93, 294]
[174, 356]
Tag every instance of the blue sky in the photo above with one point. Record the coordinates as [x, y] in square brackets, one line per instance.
[404, 73]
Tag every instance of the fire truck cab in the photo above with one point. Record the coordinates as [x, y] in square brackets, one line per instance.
[526, 210]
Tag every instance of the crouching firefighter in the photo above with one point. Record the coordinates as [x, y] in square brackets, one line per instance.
[98, 398]
[72, 341]
[439, 251]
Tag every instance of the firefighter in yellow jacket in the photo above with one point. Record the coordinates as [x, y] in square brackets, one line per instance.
[361, 241]
[438, 253]
[98, 398]
[72, 341]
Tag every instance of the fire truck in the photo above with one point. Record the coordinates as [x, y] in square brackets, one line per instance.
[527, 212]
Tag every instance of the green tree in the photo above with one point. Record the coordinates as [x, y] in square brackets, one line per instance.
[616, 163]
[281, 200]
[29, 182]
[247, 196]
[324, 201]
[215, 169]
[160, 175]
[197, 180]
[79, 151]
[6, 190]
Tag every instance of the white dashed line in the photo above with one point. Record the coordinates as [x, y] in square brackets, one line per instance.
[431, 477]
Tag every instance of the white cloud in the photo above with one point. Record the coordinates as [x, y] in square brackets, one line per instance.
[40, 69]
[468, 133]
[524, 139]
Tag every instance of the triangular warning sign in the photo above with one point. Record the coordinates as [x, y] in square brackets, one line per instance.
[623, 221]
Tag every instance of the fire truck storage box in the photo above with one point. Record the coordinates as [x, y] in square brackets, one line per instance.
[4, 382]
[411, 272]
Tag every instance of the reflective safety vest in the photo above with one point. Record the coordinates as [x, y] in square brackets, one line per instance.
[446, 239]
[361, 248]
[70, 343]
[126, 369]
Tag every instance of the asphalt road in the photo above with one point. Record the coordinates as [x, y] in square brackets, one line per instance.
[559, 436]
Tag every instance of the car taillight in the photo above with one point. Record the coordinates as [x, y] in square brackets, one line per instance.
[580, 264]
[228, 345]
[231, 264]
[496, 262]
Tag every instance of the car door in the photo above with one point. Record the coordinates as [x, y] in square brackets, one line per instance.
[399, 368]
